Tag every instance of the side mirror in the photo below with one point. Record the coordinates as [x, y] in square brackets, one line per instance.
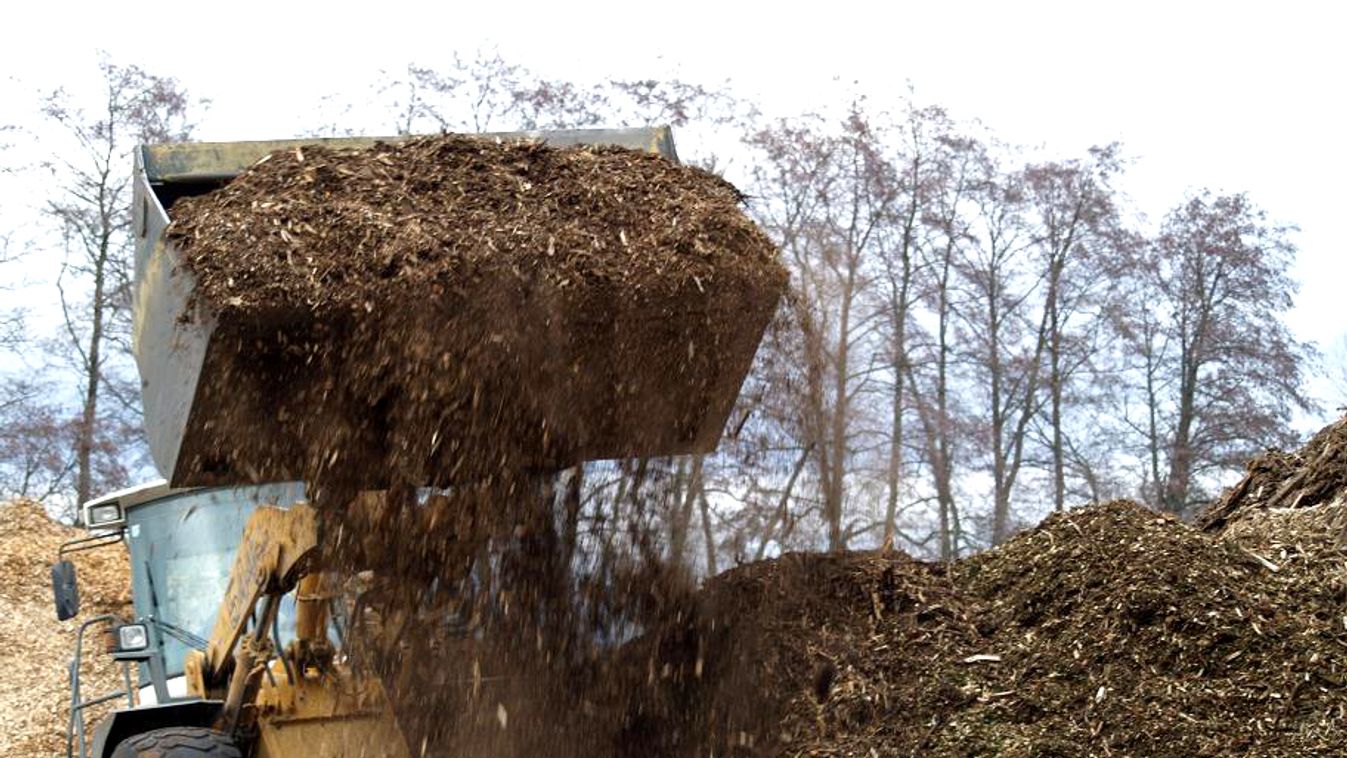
[65, 590]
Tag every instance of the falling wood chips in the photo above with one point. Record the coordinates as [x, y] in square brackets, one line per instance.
[463, 313]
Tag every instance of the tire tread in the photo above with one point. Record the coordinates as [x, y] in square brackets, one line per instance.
[178, 742]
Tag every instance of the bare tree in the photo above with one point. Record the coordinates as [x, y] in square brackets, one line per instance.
[11, 319]
[486, 92]
[917, 178]
[761, 464]
[12, 335]
[1220, 372]
[92, 208]
[1004, 341]
[1078, 231]
[37, 443]
[931, 373]
[481, 93]
[828, 195]
[672, 101]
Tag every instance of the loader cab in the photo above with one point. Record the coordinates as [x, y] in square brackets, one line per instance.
[181, 545]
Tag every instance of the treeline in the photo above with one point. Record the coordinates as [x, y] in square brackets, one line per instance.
[975, 334]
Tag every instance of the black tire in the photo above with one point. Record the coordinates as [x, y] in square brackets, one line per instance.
[178, 742]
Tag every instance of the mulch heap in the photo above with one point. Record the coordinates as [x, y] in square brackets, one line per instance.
[1106, 630]
[35, 648]
[1314, 475]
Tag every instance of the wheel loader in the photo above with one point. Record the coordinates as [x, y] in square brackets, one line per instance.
[236, 647]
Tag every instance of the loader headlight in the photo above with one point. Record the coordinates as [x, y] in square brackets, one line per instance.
[132, 637]
[103, 516]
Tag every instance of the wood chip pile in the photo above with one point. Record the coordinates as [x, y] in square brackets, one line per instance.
[1313, 475]
[444, 308]
[1108, 630]
[35, 648]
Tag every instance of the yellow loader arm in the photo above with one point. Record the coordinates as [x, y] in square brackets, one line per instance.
[295, 700]
[277, 550]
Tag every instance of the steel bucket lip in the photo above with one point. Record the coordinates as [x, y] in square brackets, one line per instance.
[215, 162]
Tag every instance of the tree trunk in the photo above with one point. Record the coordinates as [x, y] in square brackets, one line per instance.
[1055, 389]
[571, 521]
[1000, 490]
[92, 377]
[708, 535]
[935, 422]
[895, 458]
[834, 493]
[678, 526]
[691, 490]
[1153, 419]
[898, 305]
[944, 475]
[780, 514]
[1179, 481]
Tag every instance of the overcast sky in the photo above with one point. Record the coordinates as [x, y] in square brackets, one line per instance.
[1224, 95]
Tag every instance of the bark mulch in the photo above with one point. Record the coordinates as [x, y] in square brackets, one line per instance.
[1107, 630]
[35, 648]
[1313, 475]
[447, 308]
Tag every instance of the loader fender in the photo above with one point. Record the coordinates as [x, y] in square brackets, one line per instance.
[120, 725]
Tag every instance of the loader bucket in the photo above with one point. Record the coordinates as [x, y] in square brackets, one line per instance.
[642, 379]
